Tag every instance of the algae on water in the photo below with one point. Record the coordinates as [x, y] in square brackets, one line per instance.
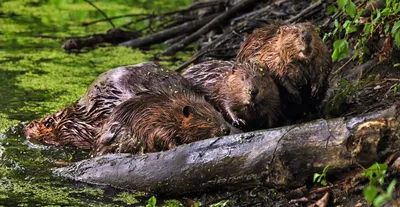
[38, 78]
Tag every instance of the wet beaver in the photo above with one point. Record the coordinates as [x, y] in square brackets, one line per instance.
[241, 91]
[77, 125]
[297, 58]
[160, 120]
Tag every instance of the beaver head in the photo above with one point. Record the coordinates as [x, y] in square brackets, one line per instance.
[160, 121]
[44, 129]
[296, 41]
[62, 128]
[244, 84]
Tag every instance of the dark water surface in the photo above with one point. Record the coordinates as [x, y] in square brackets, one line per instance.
[38, 78]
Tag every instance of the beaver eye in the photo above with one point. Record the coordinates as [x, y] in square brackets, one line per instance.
[48, 122]
[187, 110]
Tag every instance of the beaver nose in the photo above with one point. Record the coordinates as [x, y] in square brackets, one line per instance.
[225, 130]
[307, 37]
[253, 93]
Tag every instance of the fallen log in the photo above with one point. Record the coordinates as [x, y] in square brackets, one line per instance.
[284, 157]
[112, 36]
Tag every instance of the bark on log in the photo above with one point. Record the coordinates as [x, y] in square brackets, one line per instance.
[168, 33]
[282, 157]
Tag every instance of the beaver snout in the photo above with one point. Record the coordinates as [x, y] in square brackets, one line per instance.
[253, 93]
[307, 37]
[225, 129]
[27, 130]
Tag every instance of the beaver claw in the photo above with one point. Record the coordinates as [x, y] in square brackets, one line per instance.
[238, 122]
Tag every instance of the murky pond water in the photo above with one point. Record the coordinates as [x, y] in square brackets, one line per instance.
[37, 78]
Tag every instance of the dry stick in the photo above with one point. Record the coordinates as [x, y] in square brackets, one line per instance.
[304, 12]
[206, 28]
[104, 14]
[219, 41]
[115, 17]
[168, 33]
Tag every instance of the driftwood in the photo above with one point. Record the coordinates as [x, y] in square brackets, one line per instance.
[281, 158]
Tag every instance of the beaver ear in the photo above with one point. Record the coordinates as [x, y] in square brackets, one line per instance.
[187, 110]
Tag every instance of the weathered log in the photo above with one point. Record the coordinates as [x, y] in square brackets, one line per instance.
[167, 34]
[281, 158]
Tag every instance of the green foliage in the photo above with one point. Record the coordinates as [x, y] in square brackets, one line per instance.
[340, 49]
[373, 193]
[321, 178]
[376, 173]
[383, 19]
[152, 202]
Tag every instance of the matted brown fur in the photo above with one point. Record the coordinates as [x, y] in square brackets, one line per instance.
[298, 60]
[160, 120]
[77, 125]
[293, 52]
[241, 91]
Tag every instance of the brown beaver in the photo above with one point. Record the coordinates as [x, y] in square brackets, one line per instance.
[77, 125]
[297, 58]
[241, 91]
[159, 120]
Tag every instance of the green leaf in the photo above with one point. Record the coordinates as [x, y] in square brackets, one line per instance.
[370, 193]
[387, 27]
[395, 27]
[397, 38]
[380, 200]
[336, 22]
[391, 187]
[351, 9]
[340, 49]
[368, 28]
[152, 202]
[316, 176]
[342, 3]
[331, 9]
[350, 28]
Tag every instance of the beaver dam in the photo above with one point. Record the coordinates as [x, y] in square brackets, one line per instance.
[328, 71]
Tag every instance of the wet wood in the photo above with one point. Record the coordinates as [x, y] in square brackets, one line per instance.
[281, 158]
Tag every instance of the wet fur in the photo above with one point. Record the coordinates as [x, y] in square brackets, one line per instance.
[300, 69]
[227, 84]
[156, 121]
[77, 125]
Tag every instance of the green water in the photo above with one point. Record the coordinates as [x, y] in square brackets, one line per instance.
[37, 78]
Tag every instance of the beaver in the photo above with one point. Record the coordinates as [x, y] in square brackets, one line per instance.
[243, 92]
[77, 125]
[297, 58]
[158, 120]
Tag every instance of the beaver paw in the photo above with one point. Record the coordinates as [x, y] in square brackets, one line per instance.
[238, 122]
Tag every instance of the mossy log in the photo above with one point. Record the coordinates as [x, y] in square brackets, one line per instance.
[284, 157]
